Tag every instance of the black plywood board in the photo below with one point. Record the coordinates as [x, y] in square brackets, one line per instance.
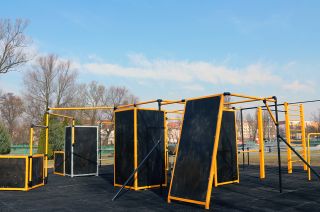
[12, 172]
[194, 156]
[37, 170]
[85, 150]
[150, 124]
[59, 162]
[124, 146]
[67, 151]
[227, 166]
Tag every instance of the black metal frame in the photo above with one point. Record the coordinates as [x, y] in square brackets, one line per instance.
[279, 137]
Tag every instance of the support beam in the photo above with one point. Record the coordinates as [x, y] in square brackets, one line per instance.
[278, 141]
[288, 137]
[46, 147]
[261, 143]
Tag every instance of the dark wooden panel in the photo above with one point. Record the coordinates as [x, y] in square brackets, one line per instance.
[150, 130]
[12, 172]
[124, 146]
[194, 156]
[227, 165]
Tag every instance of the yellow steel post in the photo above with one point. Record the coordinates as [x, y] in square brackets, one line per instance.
[30, 152]
[166, 142]
[309, 160]
[214, 153]
[303, 135]
[261, 143]
[288, 136]
[135, 148]
[31, 141]
[72, 131]
[47, 145]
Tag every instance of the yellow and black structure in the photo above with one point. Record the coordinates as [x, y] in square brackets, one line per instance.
[59, 156]
[23, 172]
[81, 151]
[207, 149]
[226, 166]
[261, 149]
[140, 143]
[59, 163]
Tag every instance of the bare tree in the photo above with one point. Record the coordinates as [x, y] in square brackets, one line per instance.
[174, 130]
[316, 119]
[13, 44]
[94, 97]
[49, 83]
[115, 96]
[11, 109]
[252, 125]
[65, 84]
[269, 128]
[118, 95]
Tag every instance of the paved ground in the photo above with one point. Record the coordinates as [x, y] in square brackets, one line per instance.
[95, 194]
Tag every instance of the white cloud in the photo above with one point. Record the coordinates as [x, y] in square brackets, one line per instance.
[193, 87]
[297, 86]
[185, 71]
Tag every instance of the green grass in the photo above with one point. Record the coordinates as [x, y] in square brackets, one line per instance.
[271, 159]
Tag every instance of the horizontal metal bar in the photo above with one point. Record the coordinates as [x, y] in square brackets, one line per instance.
[82, 108]
[242, 101]
[269, 99]
[60, 115]
[247, 151]
[174, 102]
[290, 103]
[139, 103]
[40, 126]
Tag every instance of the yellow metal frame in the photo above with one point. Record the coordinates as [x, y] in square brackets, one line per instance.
[136, 186]
[135, 148]
[206, 203]
[47, 146]
[288, 137]
[261, 143]
[82, 108]
[28, 172]
[213, 168]
[303, 136]
[43, 171]
[301, 121]
[216, 183]
[54, 159]
[25, 188]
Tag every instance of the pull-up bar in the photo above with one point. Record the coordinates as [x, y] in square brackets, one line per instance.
[60, 115]
[282, 104]
[82, 108]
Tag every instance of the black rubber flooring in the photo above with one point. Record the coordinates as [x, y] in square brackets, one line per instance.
[95, 194]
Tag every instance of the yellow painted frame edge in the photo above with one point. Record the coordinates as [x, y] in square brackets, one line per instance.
[54, 159]
[215, 150]
[216, 183]
[212, 162]
[25, 188]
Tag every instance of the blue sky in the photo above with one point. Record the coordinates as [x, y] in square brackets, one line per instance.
[178, 49]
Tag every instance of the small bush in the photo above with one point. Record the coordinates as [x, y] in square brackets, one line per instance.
[5, 140]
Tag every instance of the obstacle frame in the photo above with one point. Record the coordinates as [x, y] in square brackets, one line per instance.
[216, 183]
[246, 98]
[135, 145]
[29, 172]
[63, 164]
